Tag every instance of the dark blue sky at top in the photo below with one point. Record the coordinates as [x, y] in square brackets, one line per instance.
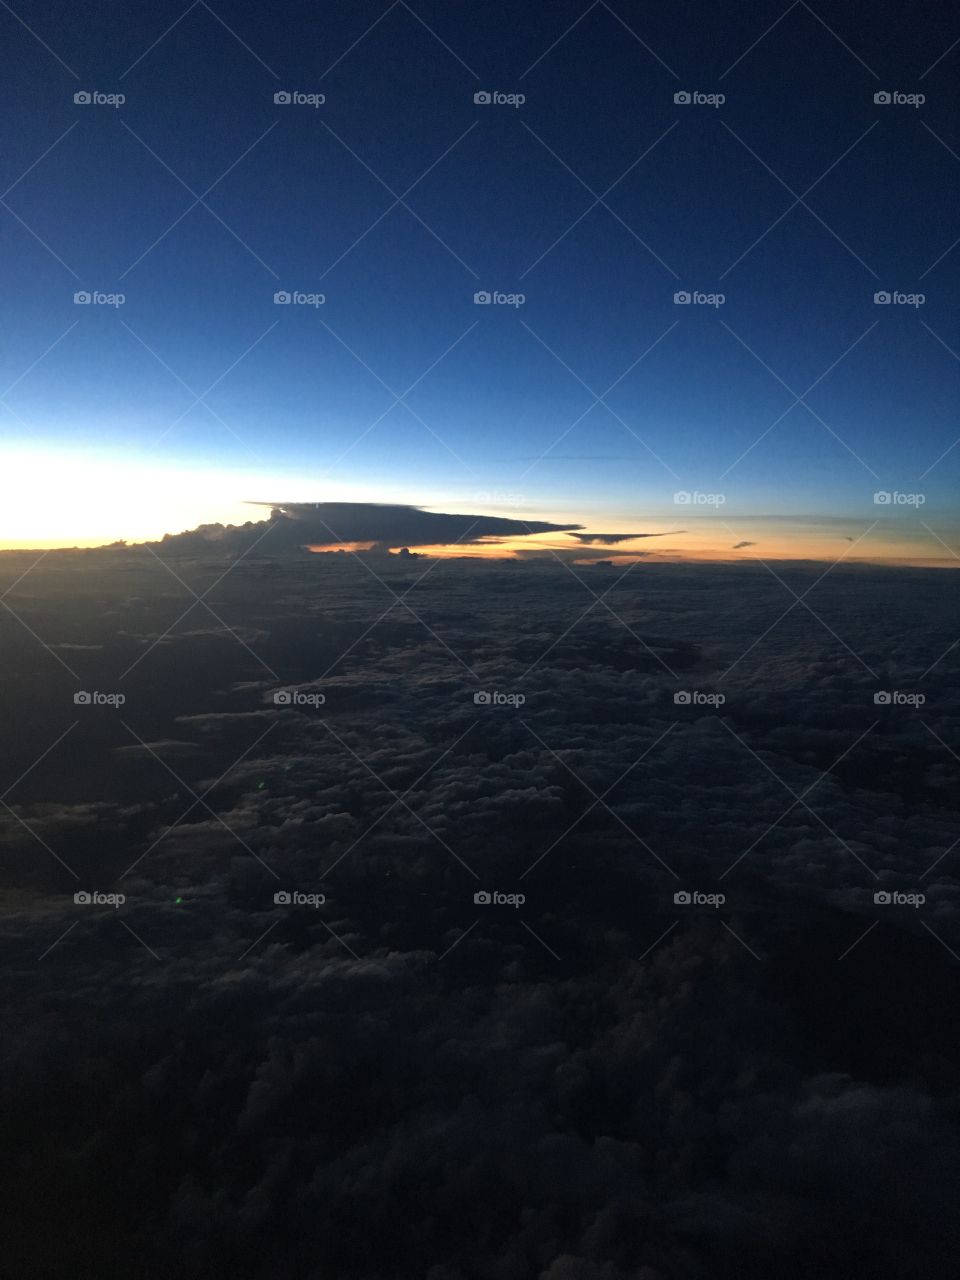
[498, 199]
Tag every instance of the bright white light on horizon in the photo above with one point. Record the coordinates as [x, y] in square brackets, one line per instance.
[66, 498]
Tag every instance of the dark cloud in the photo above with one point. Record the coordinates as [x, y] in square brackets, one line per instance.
[611, 539]
[738, 545]
[597, 1085]
[390, 526]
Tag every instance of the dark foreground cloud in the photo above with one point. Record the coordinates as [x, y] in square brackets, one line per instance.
[402, 1082]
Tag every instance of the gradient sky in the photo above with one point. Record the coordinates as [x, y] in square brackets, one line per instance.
[104, 433]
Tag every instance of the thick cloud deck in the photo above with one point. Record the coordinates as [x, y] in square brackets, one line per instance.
[422, 968]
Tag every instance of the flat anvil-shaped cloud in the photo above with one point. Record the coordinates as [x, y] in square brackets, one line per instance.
[324, 523]
[611, 539]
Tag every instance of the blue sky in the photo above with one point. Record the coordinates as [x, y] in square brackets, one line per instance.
[302, 395]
